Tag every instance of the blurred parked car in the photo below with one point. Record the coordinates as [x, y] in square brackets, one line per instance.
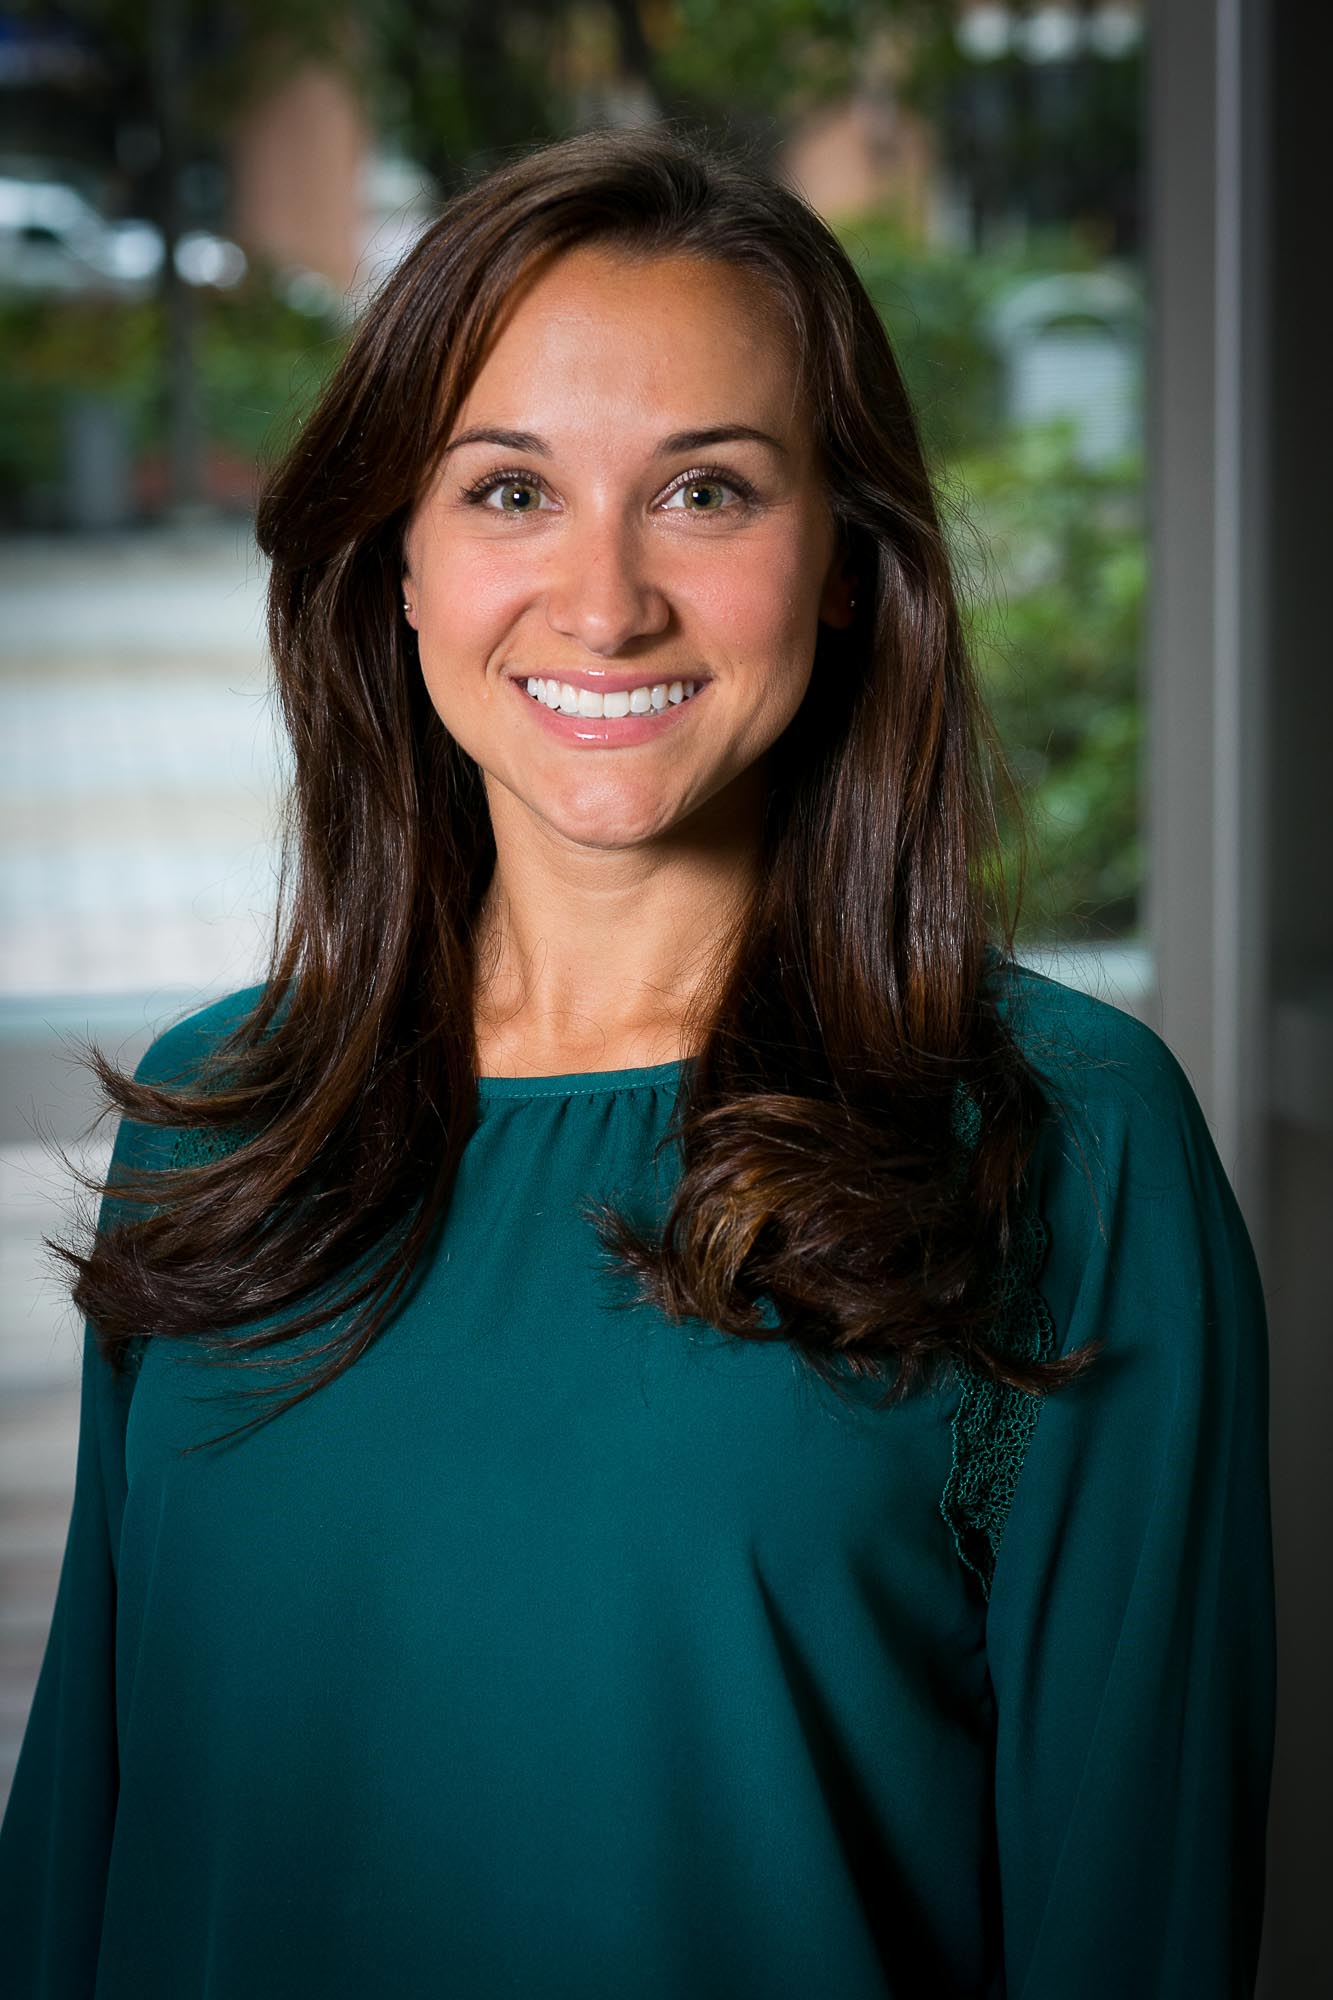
[52, 239]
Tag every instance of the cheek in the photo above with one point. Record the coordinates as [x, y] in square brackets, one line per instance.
[468, 588]
[762, 615]
[467, 604]
[763, 595]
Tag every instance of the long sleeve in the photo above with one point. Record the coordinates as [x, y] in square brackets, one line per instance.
[55, 1842]
[1130, 1624]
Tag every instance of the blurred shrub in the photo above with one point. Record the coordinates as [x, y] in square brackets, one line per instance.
[1051, 554]
[934, 300]
[260, 364]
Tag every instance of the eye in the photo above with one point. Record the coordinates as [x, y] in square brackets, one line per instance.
[514, 487]
[702, 493]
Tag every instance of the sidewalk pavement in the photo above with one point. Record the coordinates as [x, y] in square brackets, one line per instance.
[139, 779]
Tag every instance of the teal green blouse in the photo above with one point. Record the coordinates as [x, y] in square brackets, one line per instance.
[558, 1651]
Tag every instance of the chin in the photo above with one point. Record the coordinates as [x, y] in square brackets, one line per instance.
[604, 816]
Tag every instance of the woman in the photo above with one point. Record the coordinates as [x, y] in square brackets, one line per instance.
[662, 1420]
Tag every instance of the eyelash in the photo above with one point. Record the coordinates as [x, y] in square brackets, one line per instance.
[714, 474]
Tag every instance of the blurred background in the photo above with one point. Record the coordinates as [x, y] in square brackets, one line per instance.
[1087, 225]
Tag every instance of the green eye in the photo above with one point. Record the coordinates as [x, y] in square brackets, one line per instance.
[515, 489]
[710, 491]
[707, 492]
[511, 486]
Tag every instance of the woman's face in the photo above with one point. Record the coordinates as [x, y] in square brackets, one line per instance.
[628, 504]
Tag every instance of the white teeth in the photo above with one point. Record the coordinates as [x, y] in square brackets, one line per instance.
[587, 702]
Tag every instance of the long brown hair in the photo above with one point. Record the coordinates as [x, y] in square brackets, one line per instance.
[830, 1193]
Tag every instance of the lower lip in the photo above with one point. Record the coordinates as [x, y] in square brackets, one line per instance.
[599, 732]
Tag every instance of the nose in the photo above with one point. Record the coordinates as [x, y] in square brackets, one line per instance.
[600, 593]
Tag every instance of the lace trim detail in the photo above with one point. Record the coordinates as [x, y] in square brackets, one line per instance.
[993, 1424]
[197, 1145]
[190, 1148]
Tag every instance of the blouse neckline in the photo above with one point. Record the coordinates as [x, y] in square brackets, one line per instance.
[582, 1083]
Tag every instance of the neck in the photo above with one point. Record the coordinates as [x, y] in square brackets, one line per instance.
[592, 958]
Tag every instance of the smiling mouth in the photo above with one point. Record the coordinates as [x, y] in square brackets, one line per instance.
[566, 699]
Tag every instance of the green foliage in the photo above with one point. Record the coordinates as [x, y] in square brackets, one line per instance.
[461, 82]
[1052, 556]
[932, 303]
[933, 300]
[263, 364]
[767, 53]
[260, 365]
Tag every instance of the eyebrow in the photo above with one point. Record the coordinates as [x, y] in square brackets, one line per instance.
[697, 440]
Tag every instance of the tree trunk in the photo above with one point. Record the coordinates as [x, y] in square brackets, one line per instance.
[184, 427]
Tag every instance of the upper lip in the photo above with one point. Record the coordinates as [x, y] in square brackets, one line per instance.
[604, 683]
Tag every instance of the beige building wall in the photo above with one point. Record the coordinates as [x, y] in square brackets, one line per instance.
[297, 162]
[866, 152]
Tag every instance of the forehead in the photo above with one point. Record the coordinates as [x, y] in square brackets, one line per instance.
[596, 333]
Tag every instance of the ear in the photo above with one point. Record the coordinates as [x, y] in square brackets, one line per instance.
[835, 603]
[410, 611]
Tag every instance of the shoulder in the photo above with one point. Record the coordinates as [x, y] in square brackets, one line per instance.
[1125, 1174]
[1066, 1032]
[1125, 1156]
[178, 1052]
[178, 1058]
[1107, 1076]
